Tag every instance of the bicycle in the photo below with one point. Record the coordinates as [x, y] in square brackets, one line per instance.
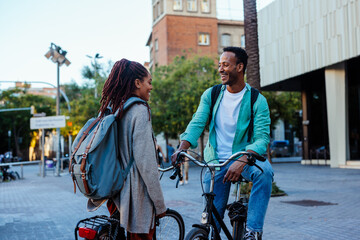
[6, 175]
[237, 210]
[102, 227]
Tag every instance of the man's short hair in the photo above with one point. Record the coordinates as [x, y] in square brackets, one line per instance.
[240, 54]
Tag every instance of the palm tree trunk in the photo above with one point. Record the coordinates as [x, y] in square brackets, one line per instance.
[252, 47]
[251, 43]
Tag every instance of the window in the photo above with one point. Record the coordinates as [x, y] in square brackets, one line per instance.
[242, 41]
[205, 6]
[161, 6]
[204, 39]
[156, 45]
[192, 5]
[151, 51]
[158, 11]
[177, 5]
[225, 40]
[154, 13]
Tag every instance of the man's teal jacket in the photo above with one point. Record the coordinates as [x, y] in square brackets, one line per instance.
[261, 134]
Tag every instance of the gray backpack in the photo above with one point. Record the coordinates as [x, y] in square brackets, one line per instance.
[95, 164]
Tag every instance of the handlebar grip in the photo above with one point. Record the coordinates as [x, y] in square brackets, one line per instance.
[174, 174]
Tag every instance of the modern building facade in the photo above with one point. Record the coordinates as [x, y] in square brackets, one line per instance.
[314, 47]
[189, 26]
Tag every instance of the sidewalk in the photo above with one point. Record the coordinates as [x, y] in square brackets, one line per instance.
[47, 208]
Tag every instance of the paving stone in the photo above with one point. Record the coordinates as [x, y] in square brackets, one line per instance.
[47, 208]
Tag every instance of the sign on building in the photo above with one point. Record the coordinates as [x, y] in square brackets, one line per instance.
[47, 122]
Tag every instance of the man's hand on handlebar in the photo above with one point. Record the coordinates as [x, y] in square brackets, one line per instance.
[184, 145]
[234, 172]
[174, 157]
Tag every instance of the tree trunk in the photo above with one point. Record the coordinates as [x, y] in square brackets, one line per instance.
[251, 43]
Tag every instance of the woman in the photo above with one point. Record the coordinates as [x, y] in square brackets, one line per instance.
[159, 154]
[141, 198]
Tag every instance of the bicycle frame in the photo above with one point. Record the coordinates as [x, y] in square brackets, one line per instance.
[210, 212]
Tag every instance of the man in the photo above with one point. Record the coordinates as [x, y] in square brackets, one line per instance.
[228, 133]
[170, 151]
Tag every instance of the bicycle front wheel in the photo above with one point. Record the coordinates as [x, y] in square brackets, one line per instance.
[171, 226]
[197, 234]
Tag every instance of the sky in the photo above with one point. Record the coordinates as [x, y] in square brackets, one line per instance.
[113, 28]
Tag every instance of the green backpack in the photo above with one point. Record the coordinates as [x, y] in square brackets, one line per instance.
[95, 166]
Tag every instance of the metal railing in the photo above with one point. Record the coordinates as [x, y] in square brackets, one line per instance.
[21, 164]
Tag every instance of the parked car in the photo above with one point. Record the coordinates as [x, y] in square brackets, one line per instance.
[280, 148]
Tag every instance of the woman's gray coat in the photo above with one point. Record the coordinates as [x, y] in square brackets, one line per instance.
[141, 197]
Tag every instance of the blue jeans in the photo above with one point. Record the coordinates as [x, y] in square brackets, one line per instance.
[259, 197]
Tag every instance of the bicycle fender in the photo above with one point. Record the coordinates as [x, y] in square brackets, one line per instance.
[202, 226]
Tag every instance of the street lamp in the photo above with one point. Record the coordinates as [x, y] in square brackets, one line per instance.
[97, 56]
[57, 55]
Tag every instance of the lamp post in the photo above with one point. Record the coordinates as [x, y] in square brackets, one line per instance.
[57, 55]
[97, 56]
[9, 135]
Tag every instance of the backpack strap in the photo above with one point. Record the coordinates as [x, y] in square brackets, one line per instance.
[81, 140]
[215, 91]
[129, 103]
[254, 96]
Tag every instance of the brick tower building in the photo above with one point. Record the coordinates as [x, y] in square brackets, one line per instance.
[191, 26]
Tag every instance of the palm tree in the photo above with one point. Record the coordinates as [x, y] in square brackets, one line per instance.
[251, 41]
[252, 48]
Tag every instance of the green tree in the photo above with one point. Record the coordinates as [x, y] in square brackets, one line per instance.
[84, 105]
[19, 121]
[177, 91]
[96, 72]
[284, 106]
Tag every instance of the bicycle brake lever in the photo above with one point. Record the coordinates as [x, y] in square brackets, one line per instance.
[174, 174]
[258, 167]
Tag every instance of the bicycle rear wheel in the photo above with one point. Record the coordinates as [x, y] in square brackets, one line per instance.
[14, 175]
[197, 234]
[171, 226]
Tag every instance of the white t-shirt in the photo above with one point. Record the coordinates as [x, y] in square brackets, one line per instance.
[225, 122]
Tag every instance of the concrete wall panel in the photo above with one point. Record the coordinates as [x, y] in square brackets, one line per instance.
[304, 35]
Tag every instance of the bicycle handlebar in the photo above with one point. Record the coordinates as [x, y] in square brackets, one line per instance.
[176, 173]
[251, 157]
